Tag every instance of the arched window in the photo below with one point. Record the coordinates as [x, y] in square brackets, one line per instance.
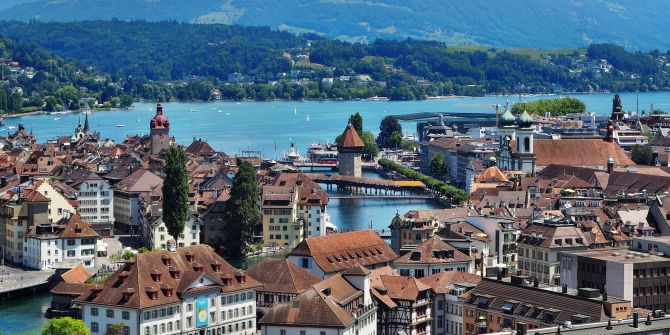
[526, 144]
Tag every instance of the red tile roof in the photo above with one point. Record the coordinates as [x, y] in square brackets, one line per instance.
[281, 275]
[130, 286]
[350, 138]
[339, 252]
[433, 251]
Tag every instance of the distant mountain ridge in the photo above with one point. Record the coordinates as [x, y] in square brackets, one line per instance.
[636, 25]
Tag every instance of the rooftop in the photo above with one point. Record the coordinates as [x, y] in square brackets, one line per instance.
[621, 255]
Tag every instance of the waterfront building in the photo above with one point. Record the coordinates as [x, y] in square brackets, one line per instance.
[449, 289]
[72, 284]
[541, 244]
[339, 305]
[282, 281]
[22, 207]
[431, 257]
[159, 131]
[639, 277]
[349, 151]
[127, 193]
[189, 291]
[403, 304]
[293, 208]
[95, 199]
[327, 255]
[62, 244]
[514, 304]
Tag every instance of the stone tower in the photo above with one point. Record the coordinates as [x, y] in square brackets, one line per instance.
[160, 131]
[349, 152]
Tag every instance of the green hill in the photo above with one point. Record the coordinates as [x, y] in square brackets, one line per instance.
[502, 23]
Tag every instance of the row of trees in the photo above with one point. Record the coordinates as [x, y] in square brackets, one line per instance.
[455, 194]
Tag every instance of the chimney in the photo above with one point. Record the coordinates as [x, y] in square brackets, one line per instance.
[498, 274]
[565, 288]
[610, 165]
[635, 319]
[648, 322]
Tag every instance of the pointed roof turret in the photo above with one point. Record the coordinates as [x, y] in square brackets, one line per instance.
[86, 128]
[507, 119]
[350, 139]
[525, 120]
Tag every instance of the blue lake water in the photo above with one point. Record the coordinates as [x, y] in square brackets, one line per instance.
[270, 126]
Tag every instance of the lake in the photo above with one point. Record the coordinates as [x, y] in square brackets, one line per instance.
[269, 127]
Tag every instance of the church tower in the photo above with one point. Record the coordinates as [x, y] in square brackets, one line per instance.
[524, 143]
[349, 152]
[506, 132]
[160, 131]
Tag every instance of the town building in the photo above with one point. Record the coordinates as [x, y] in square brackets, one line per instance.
[514, 304]
[349, 151]
[72, 284]
[62, 244]
[327, 255]
[127, 194]
[281, 279]
[417, 226]
[22, 208]
[339, 305]
[403, 304]
[431, 257]
[95, 199]
[449, 289]
[294, 208]
[541, 244]
[189, 291]
[503, 232]
[639, 277]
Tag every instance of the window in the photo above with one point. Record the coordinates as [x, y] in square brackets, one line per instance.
[302, 332]
[147, 315]
[250, 295]
[189, 322]
[94, 327]
[70, 253]
[154, 314]
[147, 331]
[305, 263]
[282, 332]
[162, 328]
[125, 315]
[94, 311]
[110, 313]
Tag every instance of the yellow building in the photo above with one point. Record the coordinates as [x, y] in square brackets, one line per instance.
[58, 204]
[281, 225]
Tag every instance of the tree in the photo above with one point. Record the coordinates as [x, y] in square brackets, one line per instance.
[388, 126]
[65, 326]
[395, 139]
[438, 168]
[357, 121]
[370, 148]
[556, 107]
[643, 155]
[126, 101]
[115, 329]
[242, 212]
[175, 192]
[409, 145]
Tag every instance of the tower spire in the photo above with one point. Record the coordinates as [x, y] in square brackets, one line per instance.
[86, 122]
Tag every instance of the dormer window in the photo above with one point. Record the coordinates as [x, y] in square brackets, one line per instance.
[174, 273]
[197, 267]
[241, 277]
[155, 275]
[167, 260]
[216, 267]
[189, 256]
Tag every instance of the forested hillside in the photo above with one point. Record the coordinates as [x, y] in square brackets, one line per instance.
[636, 25]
